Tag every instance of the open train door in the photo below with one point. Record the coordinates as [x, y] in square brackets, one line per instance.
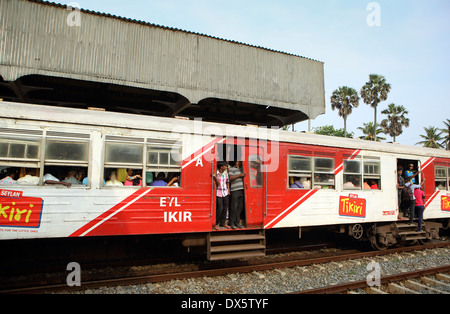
[255, 183]
[251, 241]
[252, 156]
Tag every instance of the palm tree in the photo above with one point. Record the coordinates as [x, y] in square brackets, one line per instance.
[395, 121]
[446, 131]
[374, 92]
[431, 138]
[344, 99]
[368, 130]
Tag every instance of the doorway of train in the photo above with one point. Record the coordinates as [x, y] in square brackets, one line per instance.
[409, 168]
[250, 157]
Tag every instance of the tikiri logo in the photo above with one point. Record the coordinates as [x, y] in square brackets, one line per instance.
[352, 206]
[445, 202]
[19, 211]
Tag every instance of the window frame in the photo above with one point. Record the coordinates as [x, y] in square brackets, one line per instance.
[18, 137]
[43, 138]
[261, 171]
[312, 172]
[145, 166]
[440, 178]
[362, 174]
[324, 172]
[161, 148]
[67, 162]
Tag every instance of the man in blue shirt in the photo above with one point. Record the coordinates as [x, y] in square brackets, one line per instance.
[237, 175]
[159, 182]
[411, 173]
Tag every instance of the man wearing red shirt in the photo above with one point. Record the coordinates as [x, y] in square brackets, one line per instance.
[420, 205]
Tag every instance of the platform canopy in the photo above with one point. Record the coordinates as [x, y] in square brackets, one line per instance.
[55, 55]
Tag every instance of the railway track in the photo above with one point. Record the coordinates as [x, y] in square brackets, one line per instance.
[434, 281]
[258, 266]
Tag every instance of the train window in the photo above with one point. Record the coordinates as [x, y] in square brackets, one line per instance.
[130, 162]
[300, 172]
[124, 153]
[441, 178]
[352, 166]
[12, 148]
[362, 173]
[324, 177]
[66, 151]
[323, 164]
[307, 172]
[164, 163]
[164, 157]
[352, 174]
[255, 170]
[298, 163]
[66, 159]
[19, 158]
[372, 174]
[65, 156]
[124, 161]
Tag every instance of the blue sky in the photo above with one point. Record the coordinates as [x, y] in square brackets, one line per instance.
[411, 47]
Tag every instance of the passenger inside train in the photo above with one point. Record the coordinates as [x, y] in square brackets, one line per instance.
[233, 156]
[121, 177]
[237, 208]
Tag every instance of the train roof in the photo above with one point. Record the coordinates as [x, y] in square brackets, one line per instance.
[82, 117]
[139, 67]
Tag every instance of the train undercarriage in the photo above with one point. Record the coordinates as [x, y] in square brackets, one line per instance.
[384, 235]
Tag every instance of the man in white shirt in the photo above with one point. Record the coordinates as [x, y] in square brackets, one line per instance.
[30, 178]
[51, 180]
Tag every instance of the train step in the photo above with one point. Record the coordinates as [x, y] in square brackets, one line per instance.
[236, 244]
[409, 232]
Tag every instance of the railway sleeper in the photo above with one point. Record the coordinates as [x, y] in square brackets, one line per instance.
[422, 285]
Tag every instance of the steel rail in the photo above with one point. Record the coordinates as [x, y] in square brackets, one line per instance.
[336, 289]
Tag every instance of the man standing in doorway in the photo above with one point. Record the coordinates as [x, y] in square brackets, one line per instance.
[223, 187]
[411, 173]
[413, 187]
[237, 176]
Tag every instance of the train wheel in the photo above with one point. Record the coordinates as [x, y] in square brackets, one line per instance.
[377, 245]
[424, 241]
[377, 240]
[357, 231]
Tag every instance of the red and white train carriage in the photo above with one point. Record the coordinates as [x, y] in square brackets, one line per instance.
[332, 170]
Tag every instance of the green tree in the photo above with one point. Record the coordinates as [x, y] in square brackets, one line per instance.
[395, 121]
[432, 137]
[331, 131]
[344, 99]
[374, 92]
[368, 130]
[446, 131]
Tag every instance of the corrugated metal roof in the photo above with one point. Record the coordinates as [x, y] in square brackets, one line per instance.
[124, 64]
[129, 20]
